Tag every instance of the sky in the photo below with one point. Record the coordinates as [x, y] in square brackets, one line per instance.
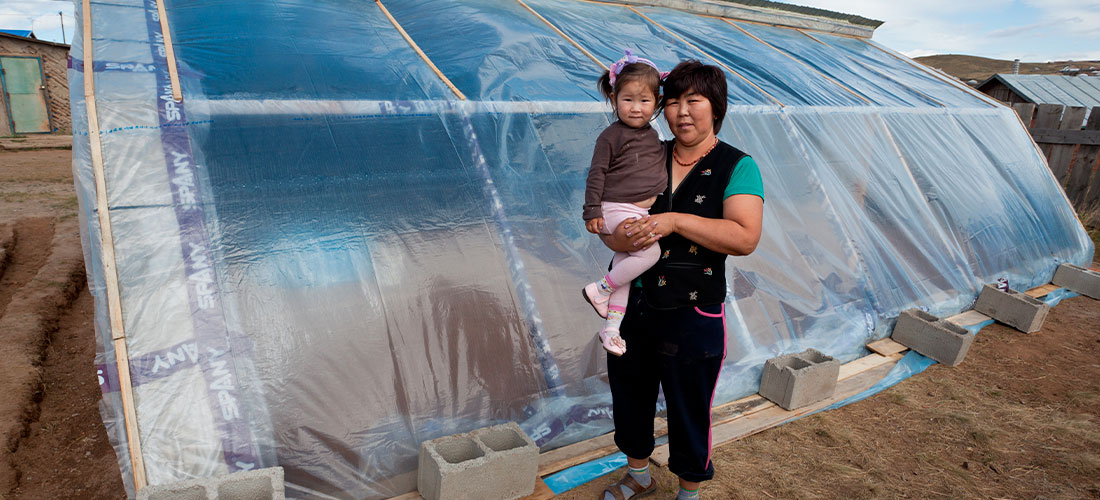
[1031, 30]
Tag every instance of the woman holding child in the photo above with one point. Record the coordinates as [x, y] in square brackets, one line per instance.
[673, 327]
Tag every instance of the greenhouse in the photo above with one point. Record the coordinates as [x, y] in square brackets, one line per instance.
[342, 228]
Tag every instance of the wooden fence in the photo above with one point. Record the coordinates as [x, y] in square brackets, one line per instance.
[1071, 152]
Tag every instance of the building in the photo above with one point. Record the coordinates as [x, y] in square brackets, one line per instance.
[35, 87]
[1043, 89]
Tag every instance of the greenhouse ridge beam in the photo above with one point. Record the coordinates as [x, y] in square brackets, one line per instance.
[778, 14]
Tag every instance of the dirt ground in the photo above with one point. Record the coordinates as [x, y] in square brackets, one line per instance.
[1019, 419]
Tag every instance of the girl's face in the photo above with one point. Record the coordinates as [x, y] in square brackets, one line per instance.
[634, 103]
[690, 117]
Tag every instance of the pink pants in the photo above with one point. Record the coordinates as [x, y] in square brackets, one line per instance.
[626, 266]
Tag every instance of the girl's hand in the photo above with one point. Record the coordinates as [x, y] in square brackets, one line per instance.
[594, 226]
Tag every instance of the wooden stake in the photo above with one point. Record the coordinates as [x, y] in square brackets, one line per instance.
[110, 271]
[562, 34]
[811, 68]
[420, 52]
[170, 52]
[689, 44]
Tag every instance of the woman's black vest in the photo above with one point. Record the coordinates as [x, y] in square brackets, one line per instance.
[688, 274]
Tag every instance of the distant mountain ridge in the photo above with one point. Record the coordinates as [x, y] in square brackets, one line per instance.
[977, 68]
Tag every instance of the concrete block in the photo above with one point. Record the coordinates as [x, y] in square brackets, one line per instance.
[260, 484]
[936, 338]
[1083, 281]
[493, 463]
[1012, 308]
[796, 380]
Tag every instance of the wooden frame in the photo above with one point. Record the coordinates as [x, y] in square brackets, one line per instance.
[110, 271]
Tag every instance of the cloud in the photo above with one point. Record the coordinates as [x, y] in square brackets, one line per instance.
[1029, 29]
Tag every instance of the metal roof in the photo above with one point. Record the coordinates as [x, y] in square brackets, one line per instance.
[1053, 89]
[22, 33]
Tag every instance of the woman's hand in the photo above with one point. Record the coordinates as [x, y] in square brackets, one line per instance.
[636, 234]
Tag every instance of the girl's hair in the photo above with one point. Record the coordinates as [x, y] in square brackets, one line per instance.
[706, 80]
[633, 72]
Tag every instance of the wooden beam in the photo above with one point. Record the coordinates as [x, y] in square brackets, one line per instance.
[886, 346]
[1084, 163]
[1059, 136]
[563, 35]
[542, 492]
[712, 58]
[775, 416]
[110, 270]
[1048, 116]
[170, 52]
[578, 453]
[1062, 154]
[423, 56]
[1026, 112]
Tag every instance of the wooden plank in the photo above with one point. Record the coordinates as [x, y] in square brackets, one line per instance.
[1040, 291]
[967, 318]
[886, 347]
[868, 362]
[424, 57]
[1048, 116]
[1061, 155]
[1065, 137]
[775, 416]
[542, 492]
[1026, 112]
[1083, 166]
[110, 270]
[739, 408]
[584, 451]
[170, 52]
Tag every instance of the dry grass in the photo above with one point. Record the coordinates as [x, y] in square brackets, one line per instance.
[980, 68]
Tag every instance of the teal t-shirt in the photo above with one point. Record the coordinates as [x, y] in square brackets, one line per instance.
[745, 179]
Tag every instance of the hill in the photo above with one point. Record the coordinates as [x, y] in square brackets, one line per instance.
[979, 68]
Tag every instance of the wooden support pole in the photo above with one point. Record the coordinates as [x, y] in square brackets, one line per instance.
[562, 34]
[419, 52]
[170, 52]
[110, 271]
[701, 51]
[799, 61]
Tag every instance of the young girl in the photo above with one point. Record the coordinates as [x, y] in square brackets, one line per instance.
[626, 176]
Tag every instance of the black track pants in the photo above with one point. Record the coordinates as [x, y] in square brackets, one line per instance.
[680, 350]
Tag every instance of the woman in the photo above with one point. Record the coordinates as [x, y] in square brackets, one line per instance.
[675, 321]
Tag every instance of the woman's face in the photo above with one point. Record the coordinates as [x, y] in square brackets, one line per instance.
[690, 118]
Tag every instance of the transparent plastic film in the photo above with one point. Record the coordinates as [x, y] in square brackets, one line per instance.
[326, 256]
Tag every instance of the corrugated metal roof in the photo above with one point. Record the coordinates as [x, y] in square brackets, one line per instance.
[1054, 89]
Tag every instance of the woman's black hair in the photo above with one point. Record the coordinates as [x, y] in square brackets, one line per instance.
[634, 72]
[704, 79]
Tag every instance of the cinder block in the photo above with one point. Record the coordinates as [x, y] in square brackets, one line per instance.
[493, 463]
[936, 338]
[1083, 281]
[796, 380]
[260, 484]
[1012, 308]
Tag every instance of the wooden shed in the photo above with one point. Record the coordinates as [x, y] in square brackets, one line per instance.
[1083, 91]
[35, 96]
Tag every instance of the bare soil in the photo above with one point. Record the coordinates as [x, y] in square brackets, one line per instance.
[1020, 418]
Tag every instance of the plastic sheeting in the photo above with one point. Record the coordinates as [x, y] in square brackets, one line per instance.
[325, 257]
